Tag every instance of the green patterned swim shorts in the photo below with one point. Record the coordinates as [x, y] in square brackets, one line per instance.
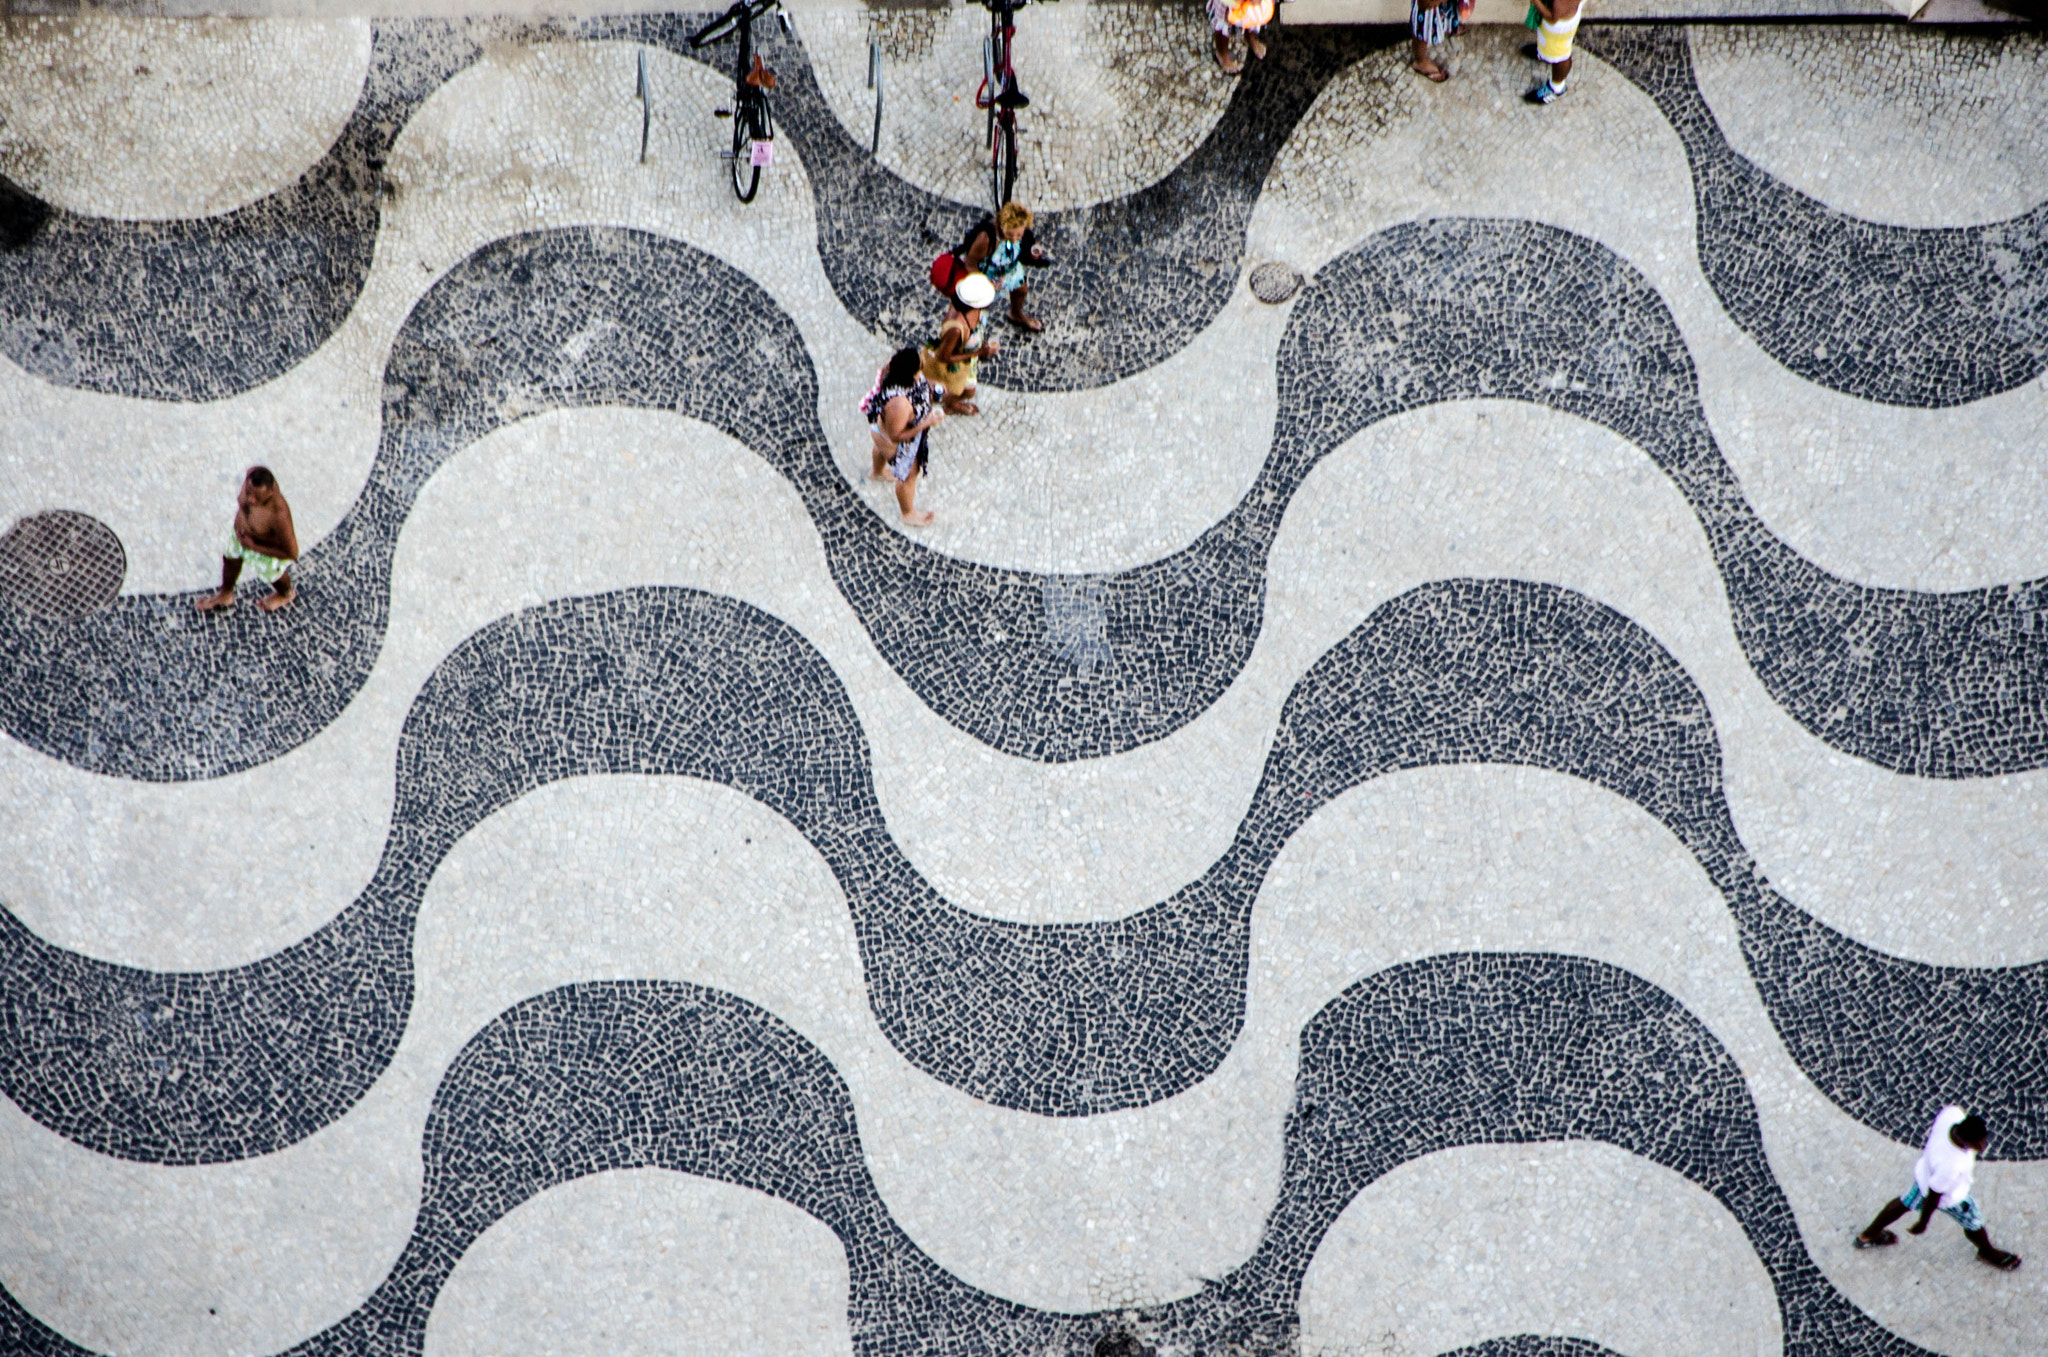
[266, 568]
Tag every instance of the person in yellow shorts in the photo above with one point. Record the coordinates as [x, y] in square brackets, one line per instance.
[1557, 24]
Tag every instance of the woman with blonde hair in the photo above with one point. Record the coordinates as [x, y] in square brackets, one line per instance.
[1002, 247]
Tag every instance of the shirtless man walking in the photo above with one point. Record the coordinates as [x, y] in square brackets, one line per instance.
[263, 539]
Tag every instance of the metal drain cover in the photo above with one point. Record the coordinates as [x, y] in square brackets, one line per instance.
[61, 564]
[1273, 282]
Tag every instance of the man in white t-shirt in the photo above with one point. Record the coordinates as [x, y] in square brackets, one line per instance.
[1941, 1180]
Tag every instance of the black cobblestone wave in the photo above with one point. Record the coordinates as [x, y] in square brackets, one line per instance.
[202, 308]
[207, 307]
[1060, 1020]
[1453, 1050]
[1903, 315]
[1137, 277]
[1046, 667]
[1944, 685]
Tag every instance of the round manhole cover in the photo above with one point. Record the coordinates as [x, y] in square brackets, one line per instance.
[61, 564]
[1273, 282]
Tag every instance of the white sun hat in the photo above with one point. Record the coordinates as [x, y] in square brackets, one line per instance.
[975, 291]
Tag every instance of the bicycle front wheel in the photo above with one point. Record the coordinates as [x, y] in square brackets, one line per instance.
[1002, 161]
[748, 127]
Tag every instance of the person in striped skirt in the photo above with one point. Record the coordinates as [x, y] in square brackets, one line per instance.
[1431, 25]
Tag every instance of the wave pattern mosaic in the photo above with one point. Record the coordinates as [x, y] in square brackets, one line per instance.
[1379, 821]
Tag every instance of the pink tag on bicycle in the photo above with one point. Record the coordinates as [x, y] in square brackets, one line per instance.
[763, 154]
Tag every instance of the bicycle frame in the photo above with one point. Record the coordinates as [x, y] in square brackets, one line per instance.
[999, 74]
[753, 124]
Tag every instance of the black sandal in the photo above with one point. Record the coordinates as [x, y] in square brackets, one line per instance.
[1884, 1237]
[2002, 1259]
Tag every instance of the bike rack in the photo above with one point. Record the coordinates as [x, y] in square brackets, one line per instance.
[875, 84]
[645, 93]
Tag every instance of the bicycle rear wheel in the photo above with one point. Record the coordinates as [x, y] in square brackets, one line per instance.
[1002, 161]
[747, 127]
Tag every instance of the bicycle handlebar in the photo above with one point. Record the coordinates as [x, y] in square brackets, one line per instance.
[716, 30]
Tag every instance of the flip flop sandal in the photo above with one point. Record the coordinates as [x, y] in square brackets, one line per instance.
[2004, 1262]
[1884, 1237]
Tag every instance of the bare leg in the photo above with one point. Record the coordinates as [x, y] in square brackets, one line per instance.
[883, 451]
[230, 571]
[1230, 64]
[906, 500]
[1877, 1233]
[1017, 316]
[1990, 1252]
[281, 593]
[1422, 63]
[1561, 71]
[1256, 47]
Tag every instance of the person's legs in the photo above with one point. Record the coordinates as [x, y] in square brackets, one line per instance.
[282, 591]
[230, 571]
[906, 500]
[1017, 315]
[1423, 64]
[1230, 64]
[1990, 1252]
[1560, 72]
[1253, 43]
[883, 451]
[1878, 1234]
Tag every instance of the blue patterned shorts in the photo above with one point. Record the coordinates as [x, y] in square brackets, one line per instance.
[1963, 1213]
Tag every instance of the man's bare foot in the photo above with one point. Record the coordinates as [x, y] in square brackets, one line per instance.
[964, 408]
[1432, 70]
[215, 602]
[276, 600]
[919, 520]
[1031, 324]
[1231, 65]
[1258, 48]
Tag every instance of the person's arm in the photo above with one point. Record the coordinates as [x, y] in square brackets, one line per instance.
[978, 249]
[1929, 1202]
[271, 533]
[289, 536]
[947, 350]
[896, 420]
[1544, 9]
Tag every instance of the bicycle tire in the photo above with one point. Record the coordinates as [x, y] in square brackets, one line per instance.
[746, 128]
[1003, 164]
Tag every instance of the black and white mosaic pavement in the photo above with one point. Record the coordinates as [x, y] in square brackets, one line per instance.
[1063, 1020]
[1462, 1049]
[202, 308]
[206, 307]
[1938, 685]
[171, 1069]
[1924, 317]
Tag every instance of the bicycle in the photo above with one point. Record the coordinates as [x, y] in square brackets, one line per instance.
[1000, 97]
[753, 126]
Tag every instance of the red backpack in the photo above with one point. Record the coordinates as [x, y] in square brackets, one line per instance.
[947, 271]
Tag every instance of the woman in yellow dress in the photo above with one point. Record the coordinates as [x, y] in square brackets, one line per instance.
[952, 360]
